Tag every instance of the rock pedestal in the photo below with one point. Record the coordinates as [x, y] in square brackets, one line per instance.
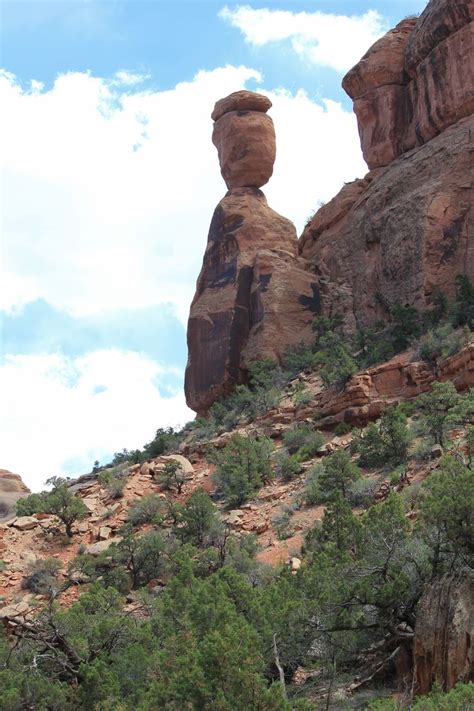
[254, 297]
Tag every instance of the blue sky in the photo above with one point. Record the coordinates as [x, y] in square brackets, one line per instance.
[109, 181]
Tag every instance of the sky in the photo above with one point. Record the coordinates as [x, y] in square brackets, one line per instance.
[108, 183]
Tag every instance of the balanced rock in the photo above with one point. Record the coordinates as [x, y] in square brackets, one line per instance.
[245, 140]
[241, 101]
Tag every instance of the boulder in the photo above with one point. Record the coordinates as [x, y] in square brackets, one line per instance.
[25, 523]
[186, 465]
[245, 142]
[241, 101]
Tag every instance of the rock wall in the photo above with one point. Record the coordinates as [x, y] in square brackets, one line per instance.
[442, 649]
[398, 235]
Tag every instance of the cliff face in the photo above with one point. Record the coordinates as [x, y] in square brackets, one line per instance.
[397, 235]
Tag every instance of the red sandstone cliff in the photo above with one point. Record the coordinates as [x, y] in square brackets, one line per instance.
[397, 235]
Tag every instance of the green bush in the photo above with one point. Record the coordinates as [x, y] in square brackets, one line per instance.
[464, 307]
[60, 501]
[287, 465]
[385, 443]
[461, 698]
[149, 509]
[197, 521]
[42, 576]
[172, 476]
[436, 408]
[333, 354]
[114, 483]
[361, 492]
[298, 358]
[242, 467]
[405, 327]
[303, 441]
[29, 505]
[312, 493]
[440, 342]
[338, 473]
[342, 428]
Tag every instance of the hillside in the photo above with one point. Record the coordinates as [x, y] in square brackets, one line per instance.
[306, 543]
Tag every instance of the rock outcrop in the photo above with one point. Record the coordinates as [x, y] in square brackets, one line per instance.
[442, 649]
[12, 488]
[399, 235]
[415, 81]
[254, 292]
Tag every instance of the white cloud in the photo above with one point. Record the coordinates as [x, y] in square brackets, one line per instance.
[325, 39]
[57, 409]
[108, 195]
[127, 78]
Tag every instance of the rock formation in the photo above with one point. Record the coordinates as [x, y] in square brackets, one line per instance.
[11, 489]
[444, 631]
[253, 293]
[398, 235]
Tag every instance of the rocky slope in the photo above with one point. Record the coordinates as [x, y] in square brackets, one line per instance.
[399, 235]
[27, 540]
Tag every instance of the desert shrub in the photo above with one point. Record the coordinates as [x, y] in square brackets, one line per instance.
[464, 306]
[114, 483]
[440, 342]
[287, 465]
[303, 441]
[172, 476]
[312, 492]
[302, 397]
[298, 358]
[461, 698]
[342, 428]
[385, 443]
[333, 355]
[361, 492]
[470, 444]
[29, 505]
[411, 495]
[42, 576]
[405, 326]
[373, 346]
[60, 501]
[197, 521]
[436, 408]
[148, 509]
[281, 524]
[421, 450]
[242, 467]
